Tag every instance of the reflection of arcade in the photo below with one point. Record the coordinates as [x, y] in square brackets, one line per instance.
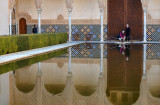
[124, 76]
[87, 46]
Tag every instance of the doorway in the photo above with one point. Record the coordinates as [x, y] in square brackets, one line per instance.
[122, 12]
[22, 26]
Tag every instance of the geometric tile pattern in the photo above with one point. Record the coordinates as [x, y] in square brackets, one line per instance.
[88, 51]
[13, 29]
[79, 32]
[153, 32]
[153, 51]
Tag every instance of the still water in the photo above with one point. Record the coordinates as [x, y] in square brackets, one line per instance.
[86, 74]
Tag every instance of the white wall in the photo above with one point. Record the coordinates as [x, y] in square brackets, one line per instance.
[82, 9]
[4, 89]
[154, 9]
[4, 26]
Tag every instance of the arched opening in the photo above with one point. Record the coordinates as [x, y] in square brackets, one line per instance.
[122, 12]
[22, 26]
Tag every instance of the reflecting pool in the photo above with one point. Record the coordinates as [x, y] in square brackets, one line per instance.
[85, 74]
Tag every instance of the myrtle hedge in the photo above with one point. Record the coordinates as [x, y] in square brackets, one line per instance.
[15, 43]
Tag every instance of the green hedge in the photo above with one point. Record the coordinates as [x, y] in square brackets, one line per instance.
[15, 43]
[26, 62]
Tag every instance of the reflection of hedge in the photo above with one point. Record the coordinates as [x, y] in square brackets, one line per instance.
[15, 43]
[26, 62]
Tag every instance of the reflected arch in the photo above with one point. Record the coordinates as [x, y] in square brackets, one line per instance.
[25, 78]
[153, 78]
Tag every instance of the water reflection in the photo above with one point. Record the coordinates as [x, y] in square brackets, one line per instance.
[115, 79]
[124, 74]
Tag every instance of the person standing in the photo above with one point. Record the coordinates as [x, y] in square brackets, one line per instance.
[127, 32]
[34, 29]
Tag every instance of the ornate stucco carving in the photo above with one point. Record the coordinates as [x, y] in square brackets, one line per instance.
[12, 4]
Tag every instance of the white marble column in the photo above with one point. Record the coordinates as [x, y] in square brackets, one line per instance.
[101, 65]
[10, 28]
[145, 24]
[144, 59]
[70, 27]
[39, 21]
[101, 13]
[69, 62]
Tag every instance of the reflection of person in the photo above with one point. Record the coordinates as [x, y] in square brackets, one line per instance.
[121, 48]
[127, 52]
[121, 36]
[127, 32]
[34, 29]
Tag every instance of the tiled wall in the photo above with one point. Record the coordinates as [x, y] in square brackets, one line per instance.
[80, 32]
[153, 32]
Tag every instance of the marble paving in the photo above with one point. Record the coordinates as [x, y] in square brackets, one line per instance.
[30, 53]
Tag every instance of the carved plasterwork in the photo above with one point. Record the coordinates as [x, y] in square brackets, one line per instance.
[39, 4]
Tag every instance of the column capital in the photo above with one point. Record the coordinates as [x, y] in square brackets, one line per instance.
[145, 9]
[69, 10]
[38, 4]
[39, 10]
[12, 3]
[11, 10]
[101, 11]
[101, 4]
[69, 5]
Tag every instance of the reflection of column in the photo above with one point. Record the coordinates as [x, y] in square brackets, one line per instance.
[145, 22]
[39, 85]
[144, 59]
[101, 90]
[39, 68]
[101, 68]
[70, 29]
[69, 92]
[69, 62]
[39, 21]
[10, 28]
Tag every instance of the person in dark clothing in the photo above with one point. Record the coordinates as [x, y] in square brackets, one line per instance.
[127, 54]
[127, 32]
[34, 29]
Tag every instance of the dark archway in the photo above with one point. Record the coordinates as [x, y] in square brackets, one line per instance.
[122, 12]
[22, 26]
